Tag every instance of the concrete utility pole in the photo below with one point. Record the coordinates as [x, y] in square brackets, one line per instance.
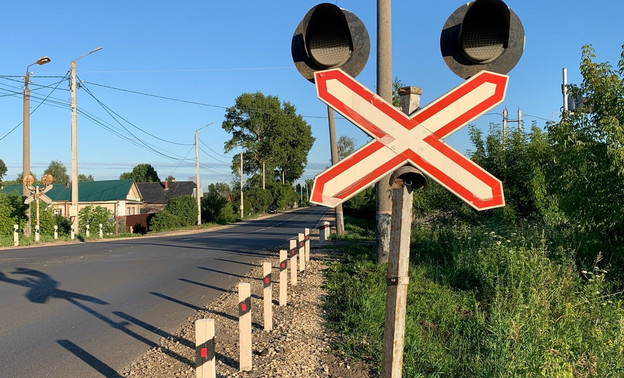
[26, 138]
[242, 213]
[334, 159]
[384, 90]
[505, 116]
[197, 179]
[74, 142]
[564, 91]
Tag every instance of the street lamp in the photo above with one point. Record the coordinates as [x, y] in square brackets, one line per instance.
[198, 191]
[26, 139]
[74, 147]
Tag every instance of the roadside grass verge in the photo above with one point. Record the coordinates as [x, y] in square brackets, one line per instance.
[483, 302]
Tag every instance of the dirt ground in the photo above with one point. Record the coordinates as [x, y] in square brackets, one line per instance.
[298, 345]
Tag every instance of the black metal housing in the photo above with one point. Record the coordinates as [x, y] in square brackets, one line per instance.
[482, 35]
[330, 37]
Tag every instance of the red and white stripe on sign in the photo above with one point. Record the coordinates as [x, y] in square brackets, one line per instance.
[399, 139]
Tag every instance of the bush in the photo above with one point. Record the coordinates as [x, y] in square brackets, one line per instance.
[94, 216]
[185, 208]
[7, 217]
[284, 195]
[164, 220]
[217, 209]
[484, 302]
[257, 200]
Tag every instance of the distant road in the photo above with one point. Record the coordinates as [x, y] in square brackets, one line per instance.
[90, 309]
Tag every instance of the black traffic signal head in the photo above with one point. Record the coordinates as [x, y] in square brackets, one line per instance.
[330, 37]
[482, 35]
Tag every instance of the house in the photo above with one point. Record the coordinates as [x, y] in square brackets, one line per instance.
[121, 197]
[156, 194]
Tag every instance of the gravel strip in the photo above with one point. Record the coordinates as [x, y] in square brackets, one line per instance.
[298, 345]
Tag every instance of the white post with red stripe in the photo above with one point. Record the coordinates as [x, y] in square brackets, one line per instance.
[205, 348]
[268, 296]
[306, 233]
[301, 246]
[244, 325]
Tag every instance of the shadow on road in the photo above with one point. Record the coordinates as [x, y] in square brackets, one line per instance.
[89, 359]
[42, 287]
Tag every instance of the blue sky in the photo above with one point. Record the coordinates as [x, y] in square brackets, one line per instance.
[206, 53]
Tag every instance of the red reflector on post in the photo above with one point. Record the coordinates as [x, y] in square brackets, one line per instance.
[204, 352]
[266, 280]
[243, 307]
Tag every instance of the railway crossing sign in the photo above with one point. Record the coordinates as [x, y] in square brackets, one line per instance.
[399, 139]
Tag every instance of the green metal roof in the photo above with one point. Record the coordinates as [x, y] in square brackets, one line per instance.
[88, 191]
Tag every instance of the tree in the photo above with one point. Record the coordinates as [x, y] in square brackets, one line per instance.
[346, 146]
[271, 135]
[3, 170]
[588, 147]
[82, 177]
[141, 173]
[58, 171]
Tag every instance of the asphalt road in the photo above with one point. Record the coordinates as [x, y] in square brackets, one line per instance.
[90, 309]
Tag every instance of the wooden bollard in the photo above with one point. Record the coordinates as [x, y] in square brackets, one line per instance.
[301, 246]
[292, 251]
[15, 235]
[306, 234]
[244, 325]
[324, 232]
[268, 297]
[283, 278]
[205, 348]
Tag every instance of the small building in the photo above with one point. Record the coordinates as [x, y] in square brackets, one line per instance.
[121, 197]
[156, 194]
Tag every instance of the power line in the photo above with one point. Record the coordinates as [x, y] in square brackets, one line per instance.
[156, 96]
[35, 109]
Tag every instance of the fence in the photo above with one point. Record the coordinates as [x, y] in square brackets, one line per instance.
[295, 259]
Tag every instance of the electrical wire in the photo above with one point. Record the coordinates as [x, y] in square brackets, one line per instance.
[146, 145]
[35, 109]
[156, 96]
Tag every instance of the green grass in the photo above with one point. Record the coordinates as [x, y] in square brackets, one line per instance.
[484, 302]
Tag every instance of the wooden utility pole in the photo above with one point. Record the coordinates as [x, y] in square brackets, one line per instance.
[398, 259]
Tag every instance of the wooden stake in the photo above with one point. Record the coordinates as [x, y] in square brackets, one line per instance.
[283, 278]
[244, 325]
[268, 297]
[306, 233]
[205, 348]
[301, 246]
[398, 279]
[292, 251]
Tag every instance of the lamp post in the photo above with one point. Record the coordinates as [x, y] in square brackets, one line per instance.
[74, 146]
[198, 191]
[26, 139]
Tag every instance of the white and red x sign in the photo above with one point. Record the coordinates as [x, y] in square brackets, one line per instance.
[399, 139]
